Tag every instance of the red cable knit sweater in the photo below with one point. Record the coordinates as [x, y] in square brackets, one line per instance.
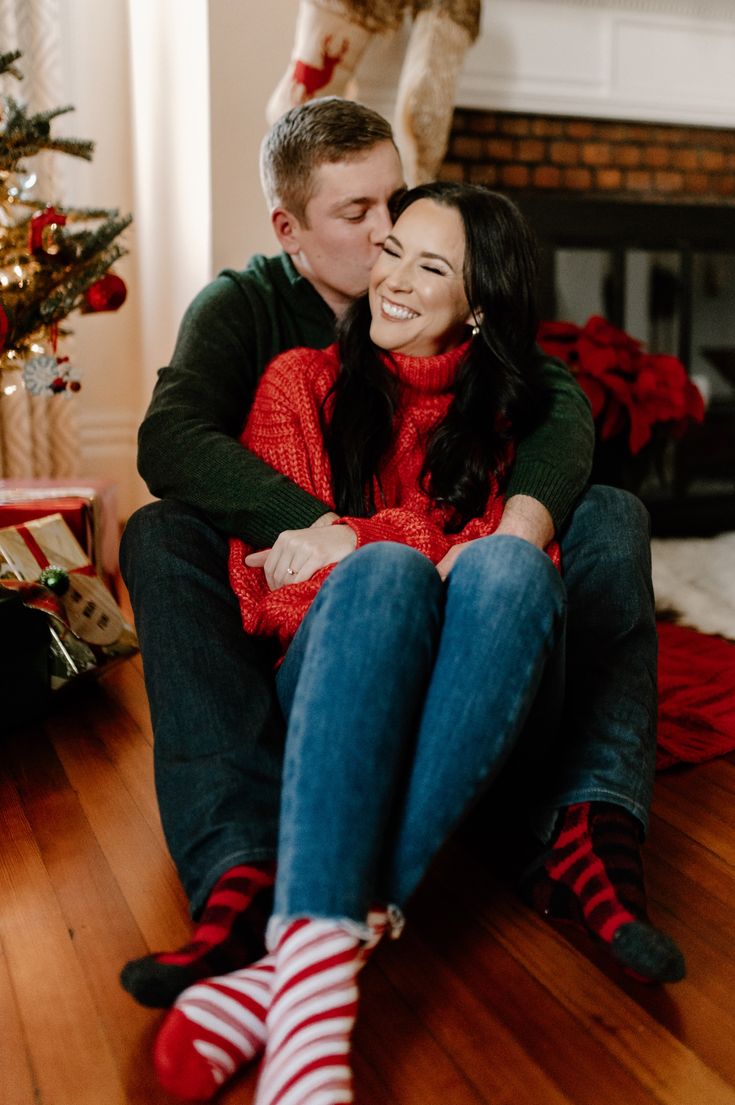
[283, 429]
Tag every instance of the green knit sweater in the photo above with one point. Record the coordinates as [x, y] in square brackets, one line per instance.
[187, 445]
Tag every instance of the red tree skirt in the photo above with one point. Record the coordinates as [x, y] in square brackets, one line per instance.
[696, 686]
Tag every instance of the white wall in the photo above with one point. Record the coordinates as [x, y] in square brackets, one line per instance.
[106, 347]
[174, 93]
[248, 52]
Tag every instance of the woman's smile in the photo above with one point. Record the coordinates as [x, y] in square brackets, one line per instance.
[396, 311]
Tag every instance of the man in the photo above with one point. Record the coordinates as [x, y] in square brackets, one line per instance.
[330, 173]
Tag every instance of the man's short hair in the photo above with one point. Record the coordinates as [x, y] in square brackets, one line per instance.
[318, 132]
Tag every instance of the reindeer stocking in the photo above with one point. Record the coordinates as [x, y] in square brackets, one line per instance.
[330, 39]
[442, 33]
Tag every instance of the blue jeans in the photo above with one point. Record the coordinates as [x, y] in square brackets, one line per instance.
[394, 727]
[216, 718]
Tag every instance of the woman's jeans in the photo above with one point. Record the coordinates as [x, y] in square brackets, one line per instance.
[404, 697]
[216, 718]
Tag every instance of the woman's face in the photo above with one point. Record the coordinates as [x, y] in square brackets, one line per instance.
[417, 296]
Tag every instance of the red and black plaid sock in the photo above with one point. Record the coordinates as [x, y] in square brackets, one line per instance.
[592, 877]
[228, 936]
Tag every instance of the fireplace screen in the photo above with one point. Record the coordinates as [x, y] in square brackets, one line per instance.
[666, 275]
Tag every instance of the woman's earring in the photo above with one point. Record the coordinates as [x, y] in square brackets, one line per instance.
[475, 330]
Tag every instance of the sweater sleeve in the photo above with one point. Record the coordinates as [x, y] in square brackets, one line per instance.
[554, 461]
[403, 526]
[187, 445]
[284, 429]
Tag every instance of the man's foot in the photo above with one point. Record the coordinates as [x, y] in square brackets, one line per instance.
[228, 936]
[592, 877]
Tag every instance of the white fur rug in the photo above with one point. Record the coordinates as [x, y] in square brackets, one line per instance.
[694, 578]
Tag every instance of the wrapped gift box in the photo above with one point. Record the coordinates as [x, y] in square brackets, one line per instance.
[89, 508]
[24, 670]
[87, 627]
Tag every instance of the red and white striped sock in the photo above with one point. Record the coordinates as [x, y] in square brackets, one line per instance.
[312, 1015]
[213, 1030]
[218, 1026]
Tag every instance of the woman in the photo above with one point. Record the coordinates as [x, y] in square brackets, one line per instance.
[410, 667]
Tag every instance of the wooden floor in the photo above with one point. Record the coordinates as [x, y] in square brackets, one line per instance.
[480, 1002]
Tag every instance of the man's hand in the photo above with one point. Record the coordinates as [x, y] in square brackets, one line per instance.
[522, 517]
[298, 553]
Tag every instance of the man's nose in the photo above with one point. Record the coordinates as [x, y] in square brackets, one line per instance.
[382, 225]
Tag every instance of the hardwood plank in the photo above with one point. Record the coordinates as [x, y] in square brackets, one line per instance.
[67, 1048]
[476, 1035]
[548, 1034]
[134, 851]
[102, 929]
[414, 1067]
[691, 859]
[669, 1071]
[125, 686]
[704, 819]
[17, 1085]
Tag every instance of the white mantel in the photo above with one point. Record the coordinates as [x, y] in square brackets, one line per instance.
[669, 61]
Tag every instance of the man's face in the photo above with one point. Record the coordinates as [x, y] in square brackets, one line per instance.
[347, 220]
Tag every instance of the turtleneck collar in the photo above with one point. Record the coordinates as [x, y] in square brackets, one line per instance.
[431, 375]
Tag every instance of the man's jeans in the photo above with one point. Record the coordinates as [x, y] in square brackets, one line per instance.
[404, 698]
[218, 726]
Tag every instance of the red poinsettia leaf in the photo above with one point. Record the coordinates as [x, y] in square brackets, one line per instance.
[614, 420]
[640, 429]
[602, 332]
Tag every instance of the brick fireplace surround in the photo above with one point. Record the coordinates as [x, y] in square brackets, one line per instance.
[646, 162]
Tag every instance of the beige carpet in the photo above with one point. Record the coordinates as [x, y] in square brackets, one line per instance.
[694, 578]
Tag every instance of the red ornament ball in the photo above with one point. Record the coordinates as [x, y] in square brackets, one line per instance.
[106, 294]
[57, 385]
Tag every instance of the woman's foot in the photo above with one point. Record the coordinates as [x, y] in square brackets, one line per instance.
[592, 877]
[228, 935]
[218, 1026]
[215, 1028]
[312, 1015]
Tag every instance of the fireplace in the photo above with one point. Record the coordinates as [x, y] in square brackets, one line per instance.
[637, 223]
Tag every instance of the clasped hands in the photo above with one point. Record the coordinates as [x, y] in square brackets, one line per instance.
[298, 553]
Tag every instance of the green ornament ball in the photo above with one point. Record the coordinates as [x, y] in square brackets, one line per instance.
[55, 578]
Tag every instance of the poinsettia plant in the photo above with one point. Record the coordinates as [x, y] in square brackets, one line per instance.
[630, 390]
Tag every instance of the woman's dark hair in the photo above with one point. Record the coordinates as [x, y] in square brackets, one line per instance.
[497, 386]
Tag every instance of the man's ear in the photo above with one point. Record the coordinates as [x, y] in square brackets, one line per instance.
[287, 230]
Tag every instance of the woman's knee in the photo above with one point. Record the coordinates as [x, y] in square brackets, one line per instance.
[386, 572]
[502, 564]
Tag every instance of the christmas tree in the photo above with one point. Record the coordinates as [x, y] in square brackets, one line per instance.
[54, 260]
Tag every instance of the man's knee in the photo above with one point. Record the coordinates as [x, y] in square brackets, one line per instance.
[161, 534]
[610, 524]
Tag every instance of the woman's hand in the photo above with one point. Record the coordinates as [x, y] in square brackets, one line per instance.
[298, 553]
[447, 562]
